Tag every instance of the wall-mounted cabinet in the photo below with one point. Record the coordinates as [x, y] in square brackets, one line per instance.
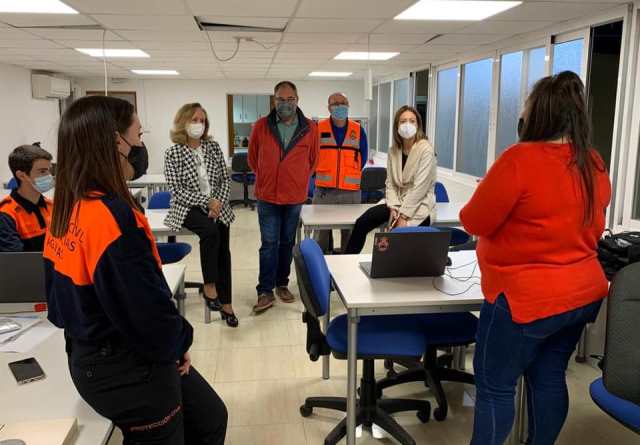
[248, 108]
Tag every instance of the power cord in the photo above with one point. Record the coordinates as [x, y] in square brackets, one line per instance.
[213, 50]
[458, 279]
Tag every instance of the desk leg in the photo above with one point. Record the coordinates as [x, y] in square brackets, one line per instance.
[518, 432]
[207, 313]
[352, 376]
[325, 358]
[299, 232]
[307, 232]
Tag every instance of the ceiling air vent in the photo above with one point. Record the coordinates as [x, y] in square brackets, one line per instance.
[238, 25]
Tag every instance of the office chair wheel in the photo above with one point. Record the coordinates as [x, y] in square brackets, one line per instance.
[439, 414]
[423, 416]
[306, 411]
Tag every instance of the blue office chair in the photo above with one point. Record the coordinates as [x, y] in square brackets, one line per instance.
[441, 193]
[379, 337]
[442, 331]
[241, 173]
[172, 251]
[372, 184]
[12, 184]
[458, 236]
[624, 411]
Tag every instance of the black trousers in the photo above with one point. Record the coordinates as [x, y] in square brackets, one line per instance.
[150, 402]
[368, 221]
[215, 254]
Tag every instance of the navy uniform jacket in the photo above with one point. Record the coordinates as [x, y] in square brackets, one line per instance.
[104, 282]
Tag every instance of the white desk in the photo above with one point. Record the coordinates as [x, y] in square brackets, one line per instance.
[156, 222]
[153, 183]
[135, 192]
[55, 396]
[343, 216]
[364, 296]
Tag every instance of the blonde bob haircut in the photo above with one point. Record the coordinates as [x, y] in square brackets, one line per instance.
[183, 118]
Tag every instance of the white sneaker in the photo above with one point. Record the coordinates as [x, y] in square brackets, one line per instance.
[359, 432]
[377, 432]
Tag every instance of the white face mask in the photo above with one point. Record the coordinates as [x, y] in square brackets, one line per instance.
[407, 130]
[195, 130]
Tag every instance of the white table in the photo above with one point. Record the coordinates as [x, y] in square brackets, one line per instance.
[156, 222]
[364, 296]
[55, 396]
[343, 216]
[135, 192]
[153, 183]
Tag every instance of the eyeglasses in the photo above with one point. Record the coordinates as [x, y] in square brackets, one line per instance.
[282, 100]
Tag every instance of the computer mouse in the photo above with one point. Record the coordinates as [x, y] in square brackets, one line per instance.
[449, 262]
[12, 442]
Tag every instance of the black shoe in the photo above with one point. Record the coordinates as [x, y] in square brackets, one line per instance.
[231, 319]
[213, 304]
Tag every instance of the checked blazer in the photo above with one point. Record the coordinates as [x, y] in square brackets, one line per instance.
[181, 171]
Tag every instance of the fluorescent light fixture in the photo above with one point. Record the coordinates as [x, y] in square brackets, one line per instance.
[455, 10]
[363, 55]
[329, 74]
[36, 7]
[114, 53]
[156, 72]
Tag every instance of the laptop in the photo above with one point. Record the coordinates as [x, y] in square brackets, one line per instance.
[22, 278]
[422, 254]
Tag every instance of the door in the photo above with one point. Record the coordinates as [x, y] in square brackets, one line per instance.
[237, 108]
[250, 108]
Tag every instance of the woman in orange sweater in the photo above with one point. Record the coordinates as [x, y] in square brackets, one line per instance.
[538, 214]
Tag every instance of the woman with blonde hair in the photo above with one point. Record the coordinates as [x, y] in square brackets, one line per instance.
[197, 176]
[410, 198]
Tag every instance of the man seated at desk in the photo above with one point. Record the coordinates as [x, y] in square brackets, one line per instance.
[25, 214]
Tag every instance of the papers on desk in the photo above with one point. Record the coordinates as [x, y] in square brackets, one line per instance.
[30, 335]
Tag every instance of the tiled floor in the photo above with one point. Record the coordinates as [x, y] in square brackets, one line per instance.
[263, 374]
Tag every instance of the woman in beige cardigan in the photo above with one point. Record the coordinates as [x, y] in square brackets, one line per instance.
[411, 177]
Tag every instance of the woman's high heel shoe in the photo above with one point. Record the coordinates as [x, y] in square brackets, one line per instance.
[231, 319]
[212, 303]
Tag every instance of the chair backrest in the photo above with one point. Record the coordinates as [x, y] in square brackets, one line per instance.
[415, 229]
[240, 163]
[622, 354]
[373, 178]
[441, 193]
[12, 184]
[314, 279]
[160, 200]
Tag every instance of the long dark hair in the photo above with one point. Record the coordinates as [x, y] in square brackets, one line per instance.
[397, 140]
[88, 158]
[557, 108]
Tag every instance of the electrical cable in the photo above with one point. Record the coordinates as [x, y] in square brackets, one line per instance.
[213, 51]
[104, 63]
[267, 47]
[458, 279]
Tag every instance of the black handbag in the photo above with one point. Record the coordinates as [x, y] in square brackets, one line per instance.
[616, 251]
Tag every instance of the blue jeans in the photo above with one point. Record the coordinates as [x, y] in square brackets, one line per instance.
[278, 224]
[540, 351]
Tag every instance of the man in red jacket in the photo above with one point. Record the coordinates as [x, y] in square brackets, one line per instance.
[283, 152]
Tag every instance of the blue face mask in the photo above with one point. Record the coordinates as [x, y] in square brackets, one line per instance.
[44, 183]
[340, 112]
[285, 109]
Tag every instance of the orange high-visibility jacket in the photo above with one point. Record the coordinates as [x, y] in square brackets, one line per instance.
[339, 166]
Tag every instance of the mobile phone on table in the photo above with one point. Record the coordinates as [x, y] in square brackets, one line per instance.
[27, 370]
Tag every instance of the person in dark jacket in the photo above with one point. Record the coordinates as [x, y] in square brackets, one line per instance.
[283, 152]
[25, 213]
[127, 345]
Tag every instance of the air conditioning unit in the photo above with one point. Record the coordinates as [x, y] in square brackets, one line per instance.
[48, 87]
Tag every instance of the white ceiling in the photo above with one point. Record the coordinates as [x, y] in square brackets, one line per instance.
[315, 31]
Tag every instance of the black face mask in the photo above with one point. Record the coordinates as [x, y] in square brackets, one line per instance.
[520, 127]
[139, 160]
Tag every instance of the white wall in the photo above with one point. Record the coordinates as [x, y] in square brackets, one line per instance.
[158, 101]
[23, 120]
